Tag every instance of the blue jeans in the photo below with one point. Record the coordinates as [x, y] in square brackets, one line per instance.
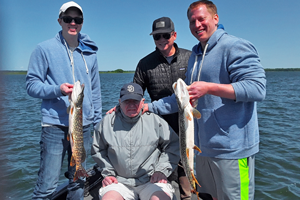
[54, 145]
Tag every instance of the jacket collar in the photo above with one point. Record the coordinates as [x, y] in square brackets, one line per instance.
[130, 119]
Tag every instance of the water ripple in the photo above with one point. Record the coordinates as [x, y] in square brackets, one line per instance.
[277, 163]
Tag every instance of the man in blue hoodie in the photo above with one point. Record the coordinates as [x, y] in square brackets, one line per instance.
[55, 65]
[226, 78]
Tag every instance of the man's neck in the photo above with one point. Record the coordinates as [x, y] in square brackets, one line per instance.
[72, 40]
[203, 45]
[168, 52]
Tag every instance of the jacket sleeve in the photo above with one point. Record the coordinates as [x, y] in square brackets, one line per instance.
[36, 76]
[99, 152]
[164, 106]
[169, 146]
[139, 76]
[96, 94]
[246, 72]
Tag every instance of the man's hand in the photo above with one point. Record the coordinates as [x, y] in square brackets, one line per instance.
[145, 108]
[197, 89]
[111, 110]
[200, 88]
[158, 177]
[109, 180]
[66, 88]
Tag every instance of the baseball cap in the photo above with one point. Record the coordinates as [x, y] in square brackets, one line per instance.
[68, 5]
[131, 91]
[162, 25]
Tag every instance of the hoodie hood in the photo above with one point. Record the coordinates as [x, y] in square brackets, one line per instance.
[198, 52]
[85, 43]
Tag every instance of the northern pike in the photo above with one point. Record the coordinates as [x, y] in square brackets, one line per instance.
[75, 135]
[186, 114]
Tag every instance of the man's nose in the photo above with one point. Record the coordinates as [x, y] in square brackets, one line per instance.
[197, 23]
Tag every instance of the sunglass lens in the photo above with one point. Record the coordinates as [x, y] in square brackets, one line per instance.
[156, 36]
[165, 35]
[68, 19]
[78, 20]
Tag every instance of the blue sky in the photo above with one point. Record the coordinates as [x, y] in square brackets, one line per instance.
[121, 28]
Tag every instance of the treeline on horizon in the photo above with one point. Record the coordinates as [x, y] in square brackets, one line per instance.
[10, 72]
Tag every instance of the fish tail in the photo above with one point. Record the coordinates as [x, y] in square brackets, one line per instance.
[80, 173]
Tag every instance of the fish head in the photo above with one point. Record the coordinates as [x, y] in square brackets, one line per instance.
[77, 92]
[181, 92]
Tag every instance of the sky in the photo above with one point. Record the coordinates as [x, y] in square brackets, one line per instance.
[121, 28]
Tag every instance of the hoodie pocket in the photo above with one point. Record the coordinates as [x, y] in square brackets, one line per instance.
[212, 135]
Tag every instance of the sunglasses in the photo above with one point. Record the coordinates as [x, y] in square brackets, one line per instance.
[68, 19]
[164, 35]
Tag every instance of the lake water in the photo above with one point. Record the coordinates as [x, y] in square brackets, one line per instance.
[277, 163]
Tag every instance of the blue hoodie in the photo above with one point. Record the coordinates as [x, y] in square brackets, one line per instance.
[50, 66]
[228, 129]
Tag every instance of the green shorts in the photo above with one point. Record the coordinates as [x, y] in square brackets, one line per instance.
[142, 192]
[226, 179]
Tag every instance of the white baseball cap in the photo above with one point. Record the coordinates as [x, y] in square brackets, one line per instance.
[68, 5]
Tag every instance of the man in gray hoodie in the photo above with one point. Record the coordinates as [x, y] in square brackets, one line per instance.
[135, 152]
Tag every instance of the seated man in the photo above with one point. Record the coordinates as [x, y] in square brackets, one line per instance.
[136, 152]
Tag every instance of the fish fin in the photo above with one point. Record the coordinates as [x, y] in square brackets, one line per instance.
[68, 137]
[194, 178]
[188, 153]
[72, 161]
[71, 111]
[197, 149]
[195, 104]
[187, 116]
[196, 113]
[80, 173]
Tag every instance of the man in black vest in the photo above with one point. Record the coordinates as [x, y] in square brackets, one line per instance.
[158, 71]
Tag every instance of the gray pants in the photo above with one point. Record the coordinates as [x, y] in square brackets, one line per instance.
[226, 179]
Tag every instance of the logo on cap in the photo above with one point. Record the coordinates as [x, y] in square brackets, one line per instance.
[160, 24]
[130, 88]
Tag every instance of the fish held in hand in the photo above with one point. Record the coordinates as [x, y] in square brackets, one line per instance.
[75, 135]
[186, 114]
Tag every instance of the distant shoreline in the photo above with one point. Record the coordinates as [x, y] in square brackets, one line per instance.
[8, 72]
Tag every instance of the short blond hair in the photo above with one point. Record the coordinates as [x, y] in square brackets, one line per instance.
[211, 7]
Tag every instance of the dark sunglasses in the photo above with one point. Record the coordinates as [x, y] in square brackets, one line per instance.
[164, 35]
[68, 19]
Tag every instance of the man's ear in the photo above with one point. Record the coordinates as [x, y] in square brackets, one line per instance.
[59, 21]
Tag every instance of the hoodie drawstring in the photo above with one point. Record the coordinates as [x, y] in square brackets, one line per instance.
[195, 64]
[87, 70]
[70, 53]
